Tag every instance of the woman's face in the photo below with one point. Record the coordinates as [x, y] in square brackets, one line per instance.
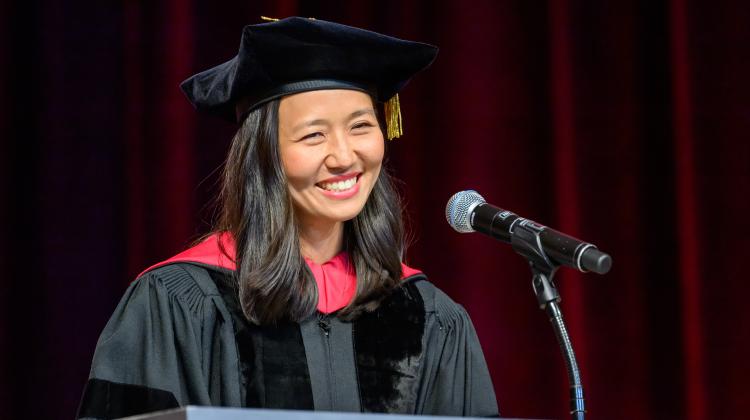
[332, 150]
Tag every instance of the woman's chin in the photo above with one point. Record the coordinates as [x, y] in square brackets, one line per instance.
[344, 216]
[340, 213]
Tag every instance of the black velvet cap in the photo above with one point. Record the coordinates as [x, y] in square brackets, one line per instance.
[299, 54]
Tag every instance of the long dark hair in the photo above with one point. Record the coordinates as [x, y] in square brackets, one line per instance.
[272, 278]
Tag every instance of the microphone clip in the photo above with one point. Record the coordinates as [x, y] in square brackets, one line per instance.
[527, 242]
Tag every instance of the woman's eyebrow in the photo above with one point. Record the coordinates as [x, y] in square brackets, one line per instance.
[361, 112]
[304, 124]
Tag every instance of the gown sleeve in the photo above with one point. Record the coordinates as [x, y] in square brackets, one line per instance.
[456, 379]
[153, 353]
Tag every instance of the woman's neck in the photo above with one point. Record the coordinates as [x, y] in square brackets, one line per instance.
[321, 242]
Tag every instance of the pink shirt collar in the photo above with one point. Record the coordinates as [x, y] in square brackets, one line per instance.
[336, 280]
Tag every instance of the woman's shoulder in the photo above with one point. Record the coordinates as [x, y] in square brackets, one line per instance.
[178, 297]
[181, 279]
[189, 286]
[438, 303]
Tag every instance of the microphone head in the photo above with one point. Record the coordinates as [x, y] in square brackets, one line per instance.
[459, 208]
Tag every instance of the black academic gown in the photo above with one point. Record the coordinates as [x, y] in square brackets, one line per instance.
[178, 337]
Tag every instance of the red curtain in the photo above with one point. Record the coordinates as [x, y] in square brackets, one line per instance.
[622, 123]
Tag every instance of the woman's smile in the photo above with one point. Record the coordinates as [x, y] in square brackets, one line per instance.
[340, 187]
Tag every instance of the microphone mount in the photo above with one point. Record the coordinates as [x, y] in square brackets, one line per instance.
[527, 242]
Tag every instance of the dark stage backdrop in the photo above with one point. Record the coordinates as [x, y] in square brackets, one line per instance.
[624, 123]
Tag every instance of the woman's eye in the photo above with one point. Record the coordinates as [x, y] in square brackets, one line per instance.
[364, 124]
[312, 135]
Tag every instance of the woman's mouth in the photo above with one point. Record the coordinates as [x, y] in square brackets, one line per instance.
[340, 187]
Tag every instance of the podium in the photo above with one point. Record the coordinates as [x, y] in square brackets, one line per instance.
[192, 412]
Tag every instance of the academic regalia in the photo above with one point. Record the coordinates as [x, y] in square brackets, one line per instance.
[179, 337]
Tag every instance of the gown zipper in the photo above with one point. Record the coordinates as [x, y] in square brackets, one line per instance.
[325, 325]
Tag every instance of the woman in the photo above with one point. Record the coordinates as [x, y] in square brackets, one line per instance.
[300, 298]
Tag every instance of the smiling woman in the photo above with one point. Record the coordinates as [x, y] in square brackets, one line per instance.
[299, 299]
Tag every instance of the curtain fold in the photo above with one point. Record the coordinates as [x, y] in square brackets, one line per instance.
[687, 213]
[622, 123]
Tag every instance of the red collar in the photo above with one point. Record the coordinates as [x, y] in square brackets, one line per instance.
[217, 250]
[335, 278]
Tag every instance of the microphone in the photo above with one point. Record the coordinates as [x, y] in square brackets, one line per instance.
[467, 211]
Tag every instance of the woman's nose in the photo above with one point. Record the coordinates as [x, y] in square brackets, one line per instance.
[340, 154]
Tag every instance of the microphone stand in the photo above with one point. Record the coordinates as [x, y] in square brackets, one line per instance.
[526, 241]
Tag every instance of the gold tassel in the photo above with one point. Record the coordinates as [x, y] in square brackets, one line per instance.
[393, 122]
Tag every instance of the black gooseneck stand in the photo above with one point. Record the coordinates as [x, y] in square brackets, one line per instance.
[526, 241]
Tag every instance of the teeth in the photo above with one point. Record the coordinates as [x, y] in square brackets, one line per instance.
[340, 185]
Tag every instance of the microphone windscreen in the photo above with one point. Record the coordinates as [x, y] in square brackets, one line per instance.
[459, 207]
